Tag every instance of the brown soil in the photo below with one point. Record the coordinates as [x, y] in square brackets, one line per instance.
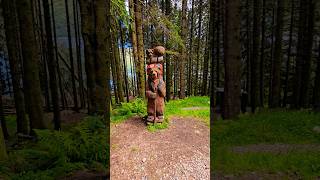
[179, 152]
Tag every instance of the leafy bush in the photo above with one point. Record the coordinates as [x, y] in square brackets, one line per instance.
[57, 153]
[126, 110]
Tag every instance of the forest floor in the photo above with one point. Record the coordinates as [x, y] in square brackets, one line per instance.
[179, 152]
[79, 151]
[179, 149]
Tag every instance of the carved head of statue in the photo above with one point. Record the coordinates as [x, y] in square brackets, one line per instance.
[154, 71]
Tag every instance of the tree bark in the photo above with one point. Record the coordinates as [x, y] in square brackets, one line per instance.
[255, 54]
[231, 105]
[190, 65]
[31, 56]
[88, 35]
[78, 50]
[168, 57]
[278, 56]
[140, 49]
[218, 24]
[316, 91]
[124, 63]
[286, 88]
[62, 95]
[211, 59]
[261, 76]
[183, 56]
[3, 152]
[196, 79]
[305, 41]
[117, 67]
[73, 81]
[52, 66]
[102, 64]
[12, 39]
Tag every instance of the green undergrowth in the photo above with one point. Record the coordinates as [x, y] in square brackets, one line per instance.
[267, 127]
[158, 126]
[56, 154]
[181, 108]
[127, 110]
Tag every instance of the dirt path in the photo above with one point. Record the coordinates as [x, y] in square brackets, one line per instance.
[178, 152]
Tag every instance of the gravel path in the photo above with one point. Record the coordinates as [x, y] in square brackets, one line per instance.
[179, 152]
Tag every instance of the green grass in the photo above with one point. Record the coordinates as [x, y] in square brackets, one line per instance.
[268, 127]
[172, 108]
[158, 126]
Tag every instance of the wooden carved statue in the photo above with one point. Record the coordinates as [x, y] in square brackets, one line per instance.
[155, 87]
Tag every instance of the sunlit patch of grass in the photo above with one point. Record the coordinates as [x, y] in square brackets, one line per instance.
[158, 126]
[127, 110]
[200, 104]
[138, 107]
[266, 127]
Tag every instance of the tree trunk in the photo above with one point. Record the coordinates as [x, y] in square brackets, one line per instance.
[316, 91]
[248, 50]
[88, 35]
[305, 42]
[140, 49]
[211, 58]
[196, 84]
[114, 74]
[231, 105]
[218, 26]
[133, 36]
[168, 57]
[305, 83]
[73, 81]
[255, 55]
[117, 67]
[12, 39]
[62, 95]
[52, 66]
[278, 56]
[102, 64]
[3, 152]
[205, 69]
[78, 50]
[43, 54]
[31, 57]
[124, 63]
[271, 57]
[190, 65]
[183, 56]
[2, 118]
[285, 95]
[261, 76]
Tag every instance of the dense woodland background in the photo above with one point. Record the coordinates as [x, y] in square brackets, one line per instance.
[84, 56]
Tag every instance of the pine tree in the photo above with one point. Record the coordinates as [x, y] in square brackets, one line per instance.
[12, 39]
[183, 56]
[278, 56]
[52, 66]
[231, 108]
[31, 57]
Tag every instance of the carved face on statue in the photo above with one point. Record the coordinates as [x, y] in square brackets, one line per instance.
[154, 71]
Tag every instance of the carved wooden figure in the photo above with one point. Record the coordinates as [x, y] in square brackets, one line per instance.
[155, 87]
